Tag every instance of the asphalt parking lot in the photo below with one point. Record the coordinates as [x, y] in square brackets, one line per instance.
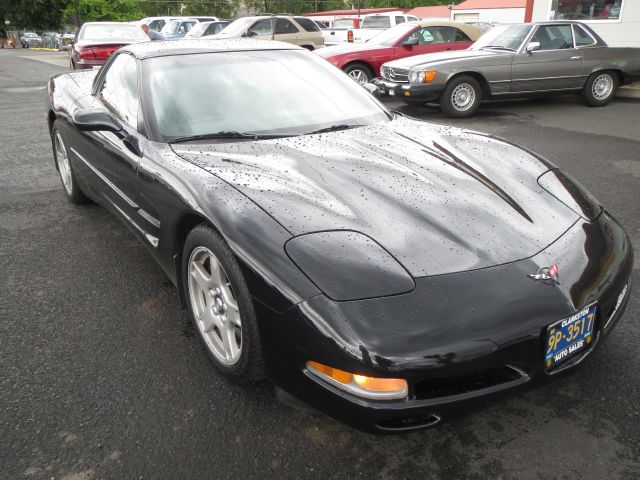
[101, 375]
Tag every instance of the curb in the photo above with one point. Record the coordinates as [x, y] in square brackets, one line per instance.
[628, 92]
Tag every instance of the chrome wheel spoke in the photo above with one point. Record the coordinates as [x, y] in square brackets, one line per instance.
[201, 276]
[209, 321]
[229, 342]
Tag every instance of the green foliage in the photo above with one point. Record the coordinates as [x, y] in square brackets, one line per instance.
[50, 14]
[40, 14]
[102, 10]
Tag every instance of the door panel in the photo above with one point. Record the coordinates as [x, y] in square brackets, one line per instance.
[556, 65]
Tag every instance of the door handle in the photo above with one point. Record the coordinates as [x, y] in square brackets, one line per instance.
[577, 57]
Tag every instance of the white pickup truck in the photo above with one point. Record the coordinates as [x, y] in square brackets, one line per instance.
[345, 30]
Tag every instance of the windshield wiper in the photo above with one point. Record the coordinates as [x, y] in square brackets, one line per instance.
[232, 134]
[335, 128]
[500, 47]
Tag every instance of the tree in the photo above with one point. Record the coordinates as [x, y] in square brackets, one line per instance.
[36, 14]
[104, 10]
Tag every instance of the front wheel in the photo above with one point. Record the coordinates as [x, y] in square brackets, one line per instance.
[461, 97]
[220, 306]
[359, 72]
[600, 88]
[61, 156]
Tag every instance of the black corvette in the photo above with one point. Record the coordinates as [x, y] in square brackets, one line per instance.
[380, 269]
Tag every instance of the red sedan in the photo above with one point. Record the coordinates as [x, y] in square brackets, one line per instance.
[362, 61]
[96, 42]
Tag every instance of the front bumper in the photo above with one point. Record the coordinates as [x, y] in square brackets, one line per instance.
[407, 91]
[479, 334]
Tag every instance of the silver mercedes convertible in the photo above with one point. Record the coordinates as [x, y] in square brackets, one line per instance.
[514, 61]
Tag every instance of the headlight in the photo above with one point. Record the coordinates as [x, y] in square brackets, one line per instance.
[421, 76]
[375, 388]
[347, 265]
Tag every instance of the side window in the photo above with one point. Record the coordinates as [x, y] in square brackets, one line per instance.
[261, 27]
[284, 26]
[412, 19]
[156, 25]
[214, 28]
[582, 37]
[425, 36]
[308, 25]
[554, 37]
[445, 34]
[119, 89]
[399, 20]
[461, 36]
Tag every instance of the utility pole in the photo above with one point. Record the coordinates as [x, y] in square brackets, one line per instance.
[75, 7]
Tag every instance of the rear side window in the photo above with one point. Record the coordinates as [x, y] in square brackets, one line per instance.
[582, 37]
[308, 25]
[399, 20]
[461, 36]
[284, 26]
[119, 89]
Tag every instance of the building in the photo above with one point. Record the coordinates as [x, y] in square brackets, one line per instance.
[331, 15]
[440, 12]
[490, 11]
[616, 21]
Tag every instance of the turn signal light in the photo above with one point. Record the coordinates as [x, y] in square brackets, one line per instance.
[350, 36]
[429, 76]
[361, 385]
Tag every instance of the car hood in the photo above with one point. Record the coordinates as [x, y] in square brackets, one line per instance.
[439, 199]
[334, 50]
[448, 56]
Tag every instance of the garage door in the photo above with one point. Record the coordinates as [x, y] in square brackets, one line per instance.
[466, 17]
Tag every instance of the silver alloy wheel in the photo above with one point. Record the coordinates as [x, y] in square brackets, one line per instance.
[463, 97]
[63, 163]
[602, 86]
[360, 76]
[214, 306]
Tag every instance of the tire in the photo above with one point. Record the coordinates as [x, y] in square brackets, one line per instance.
[63, 165]
[461, 97]
[600, 88]
[359, 72]
[220, 306]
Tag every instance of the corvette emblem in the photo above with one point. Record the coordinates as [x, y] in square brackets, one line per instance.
[547, 275]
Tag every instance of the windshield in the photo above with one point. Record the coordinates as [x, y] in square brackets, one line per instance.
[170, 27]
[108, 32]
[237, 28]
[390, 37]
[197, 30]
[377, 21]
[508, 37]
[284, 92]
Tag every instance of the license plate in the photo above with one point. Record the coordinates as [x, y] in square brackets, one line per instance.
[569, 336]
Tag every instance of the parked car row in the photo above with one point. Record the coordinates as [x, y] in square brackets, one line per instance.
[453, 64]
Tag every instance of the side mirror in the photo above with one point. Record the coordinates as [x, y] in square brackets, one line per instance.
[533, 46]
[409, 42]
[99, 119]
[95, 119]
[372, 89]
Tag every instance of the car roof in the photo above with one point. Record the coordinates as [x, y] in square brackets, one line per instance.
[186, 47]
